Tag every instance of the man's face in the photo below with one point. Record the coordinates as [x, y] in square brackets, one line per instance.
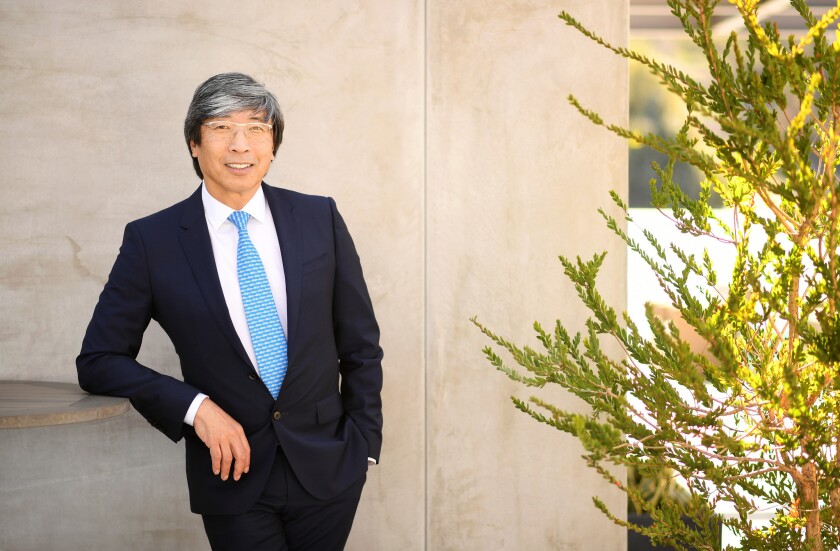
[234, 159]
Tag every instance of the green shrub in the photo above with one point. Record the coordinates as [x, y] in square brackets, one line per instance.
[754, 424]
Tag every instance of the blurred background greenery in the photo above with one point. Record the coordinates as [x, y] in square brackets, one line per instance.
[654, 110]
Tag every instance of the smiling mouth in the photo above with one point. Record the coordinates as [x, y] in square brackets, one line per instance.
[238, 165]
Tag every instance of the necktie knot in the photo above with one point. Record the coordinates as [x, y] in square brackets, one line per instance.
[239, 219]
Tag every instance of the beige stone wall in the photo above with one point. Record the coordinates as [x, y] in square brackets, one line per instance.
[441, 129]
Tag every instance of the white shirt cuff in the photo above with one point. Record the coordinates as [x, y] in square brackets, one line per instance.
[371, 461]
[189, 418]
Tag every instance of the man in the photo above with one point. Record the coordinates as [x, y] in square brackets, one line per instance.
[261, 292]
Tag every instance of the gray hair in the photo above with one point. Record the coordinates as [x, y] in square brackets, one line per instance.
[228, 93]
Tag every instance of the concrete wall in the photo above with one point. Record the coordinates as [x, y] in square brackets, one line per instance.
[442, 131]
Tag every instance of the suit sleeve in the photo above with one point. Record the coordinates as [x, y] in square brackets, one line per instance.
[357, 340]
[107, 363]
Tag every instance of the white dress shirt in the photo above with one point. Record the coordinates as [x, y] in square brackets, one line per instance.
[224, 237]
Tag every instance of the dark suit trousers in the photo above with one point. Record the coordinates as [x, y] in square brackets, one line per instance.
[287, 517]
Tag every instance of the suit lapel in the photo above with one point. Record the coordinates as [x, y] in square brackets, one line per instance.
[195, 240]
[288, 234]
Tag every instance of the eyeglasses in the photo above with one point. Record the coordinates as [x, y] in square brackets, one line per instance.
[226, 130]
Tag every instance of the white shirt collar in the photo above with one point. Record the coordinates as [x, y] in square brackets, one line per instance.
[217, 212]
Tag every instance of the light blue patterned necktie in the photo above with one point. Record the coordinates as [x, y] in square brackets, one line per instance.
[267, 335]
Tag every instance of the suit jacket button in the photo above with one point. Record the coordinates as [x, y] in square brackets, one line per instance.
[252, 376]
[277, 416]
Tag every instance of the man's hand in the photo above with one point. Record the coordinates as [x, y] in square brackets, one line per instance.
[225, 439]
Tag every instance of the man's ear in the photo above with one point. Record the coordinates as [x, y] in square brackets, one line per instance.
[193, 148]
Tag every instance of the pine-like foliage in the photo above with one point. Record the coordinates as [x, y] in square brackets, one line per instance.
[753, 424]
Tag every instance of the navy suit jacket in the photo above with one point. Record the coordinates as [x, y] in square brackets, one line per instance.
[328, 415]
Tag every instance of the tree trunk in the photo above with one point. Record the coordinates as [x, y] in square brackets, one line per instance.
[811, 507]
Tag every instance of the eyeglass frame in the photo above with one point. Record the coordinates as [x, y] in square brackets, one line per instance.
[245, 124]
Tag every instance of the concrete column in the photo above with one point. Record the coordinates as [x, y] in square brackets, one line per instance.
[514, 178]
[442, 131]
